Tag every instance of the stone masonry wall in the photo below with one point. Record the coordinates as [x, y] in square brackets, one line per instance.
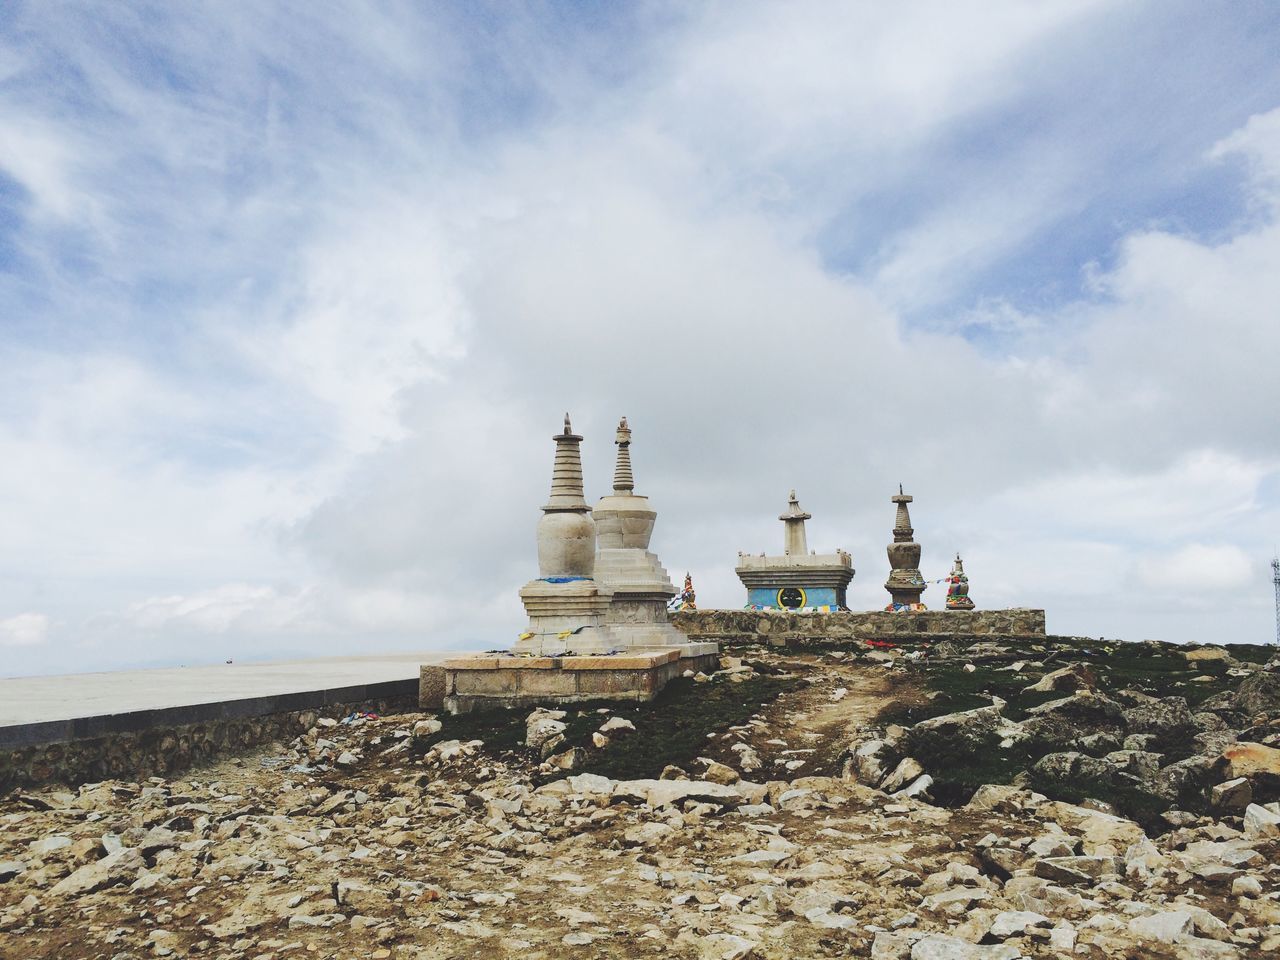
[728, 627]
[137, 755]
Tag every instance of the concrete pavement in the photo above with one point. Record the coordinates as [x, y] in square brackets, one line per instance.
[36, 710]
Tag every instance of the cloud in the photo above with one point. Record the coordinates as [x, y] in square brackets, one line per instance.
[24, 630]
[40, 159]
[301, 299]
[1258, 142]
[1198, 568]
[271, 611]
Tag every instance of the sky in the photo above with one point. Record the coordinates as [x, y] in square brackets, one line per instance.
[294, 296]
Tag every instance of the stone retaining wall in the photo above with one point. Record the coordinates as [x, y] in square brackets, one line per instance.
[486, 683]
[729, 627]
[164, 751]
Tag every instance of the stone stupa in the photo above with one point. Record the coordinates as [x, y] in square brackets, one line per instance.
[565, 604]
[905, 583]
[797, 580]
[598, 627]
[640, 587]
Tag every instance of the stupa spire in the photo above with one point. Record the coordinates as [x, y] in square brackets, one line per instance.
[796, 543]
[566, 475]
[623, 481]
[902, 530]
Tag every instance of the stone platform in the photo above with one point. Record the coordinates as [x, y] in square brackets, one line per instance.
[464, 684]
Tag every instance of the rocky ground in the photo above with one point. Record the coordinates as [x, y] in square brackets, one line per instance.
[1066, 799]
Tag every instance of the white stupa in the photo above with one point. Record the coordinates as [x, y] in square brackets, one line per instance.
[640, 587]
[566, 607]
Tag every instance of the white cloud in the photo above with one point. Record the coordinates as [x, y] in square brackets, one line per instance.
[260, 610]
[40, 159]
[302, 397]
[1199, 569]
[1258, 142]
[24, 630]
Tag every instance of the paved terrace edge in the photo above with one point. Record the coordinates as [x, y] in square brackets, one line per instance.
[15, 737]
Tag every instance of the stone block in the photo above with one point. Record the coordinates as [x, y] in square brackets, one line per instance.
[639, 661]
[641, 684]
[471, 663]
[431, 686]
[549, 682]
[484, 682]
[528, 663]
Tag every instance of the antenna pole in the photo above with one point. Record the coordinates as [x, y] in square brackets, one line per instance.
[1275, 580]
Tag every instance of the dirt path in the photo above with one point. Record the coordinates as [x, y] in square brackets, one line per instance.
[806, 731]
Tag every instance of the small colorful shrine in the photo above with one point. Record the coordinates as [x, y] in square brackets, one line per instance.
[958, 588]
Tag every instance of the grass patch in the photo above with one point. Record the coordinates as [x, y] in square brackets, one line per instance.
[1155, 670]
[1252, 652]
[1136, 804]
[674, 727]
[503, 731]
[955, 690]
[671, 729]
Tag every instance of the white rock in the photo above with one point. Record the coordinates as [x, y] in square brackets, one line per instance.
[542, 728]
[302, 921]
[953, 902]
[1232, 795]
[1168, 926]
[574, 917]
[47, 845]
[1246, 887]
[1014, 923]
[614, 725]
[938, 946]
[820, 917]
[118, 867]
[591, 784]
[425, 728]
[647, 834]
[726, 946]
[757, 857]
[1063, 937]
[661, 793]
[1261, 822]
[892, 946]
[917, 788]
[809, 900]
[906, 771]
[748, 759]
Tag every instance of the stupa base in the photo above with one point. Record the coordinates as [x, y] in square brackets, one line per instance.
[503, 681]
